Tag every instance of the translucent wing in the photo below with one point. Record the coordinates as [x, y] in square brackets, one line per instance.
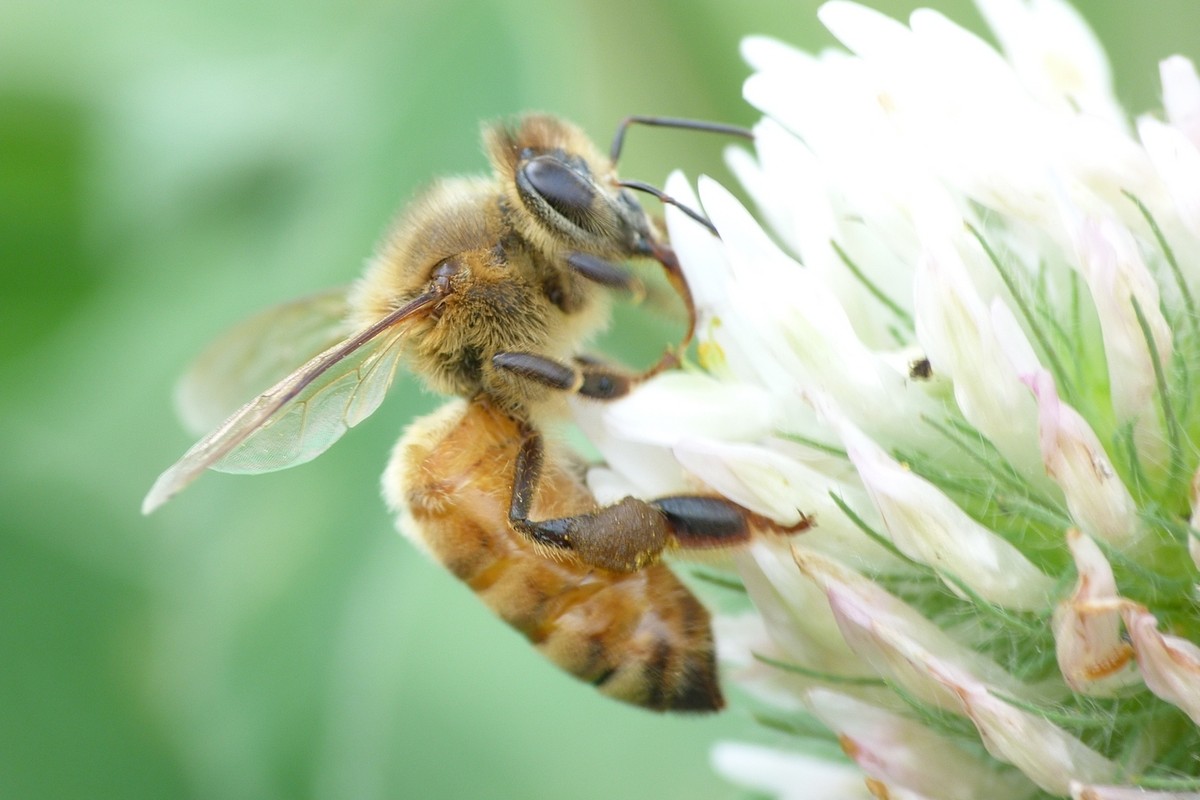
[258, 352]
[298, 418]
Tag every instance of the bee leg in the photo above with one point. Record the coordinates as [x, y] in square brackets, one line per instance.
[670, 263]
[701, 522]
[623, 537]
[589, 379]
[608, 274]
[631, 534]
[615, 276]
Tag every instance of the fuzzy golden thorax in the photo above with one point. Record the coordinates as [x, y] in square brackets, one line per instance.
[505, 295]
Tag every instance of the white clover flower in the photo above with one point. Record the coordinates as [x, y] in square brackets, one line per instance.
[965, 340]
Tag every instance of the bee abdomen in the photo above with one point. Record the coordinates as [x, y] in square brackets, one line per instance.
[642, 639]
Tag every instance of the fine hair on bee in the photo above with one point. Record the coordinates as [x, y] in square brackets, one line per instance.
[489, 289]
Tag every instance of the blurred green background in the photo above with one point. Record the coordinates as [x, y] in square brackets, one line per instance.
[167, 168]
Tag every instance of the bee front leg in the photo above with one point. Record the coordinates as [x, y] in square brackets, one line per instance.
[615, 276]
[631, 534]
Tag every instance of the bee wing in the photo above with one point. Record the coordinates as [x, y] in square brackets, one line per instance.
[302, 415]
[257, 352]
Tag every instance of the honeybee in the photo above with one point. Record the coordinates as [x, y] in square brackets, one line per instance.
[487, 288]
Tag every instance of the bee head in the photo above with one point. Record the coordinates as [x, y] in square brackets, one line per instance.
[561, 192]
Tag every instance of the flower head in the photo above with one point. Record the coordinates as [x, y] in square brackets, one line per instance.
[964, 338]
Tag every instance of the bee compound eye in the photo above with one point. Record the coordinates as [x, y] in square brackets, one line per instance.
[562, 188]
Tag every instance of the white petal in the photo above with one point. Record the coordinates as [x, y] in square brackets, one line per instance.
[1117, 276]
[787, 775]
[701, 256]
[928, 527]
[1092, 655]
[676, 405]
[1047, 754]
[1075, 459]
[649, 467]
[863, 30]
[1177, 159]
[1056, 54]
[609, 486]
[902, 752]
[798, 331]
[1181, 95]
[1169, 664]
[752, 476]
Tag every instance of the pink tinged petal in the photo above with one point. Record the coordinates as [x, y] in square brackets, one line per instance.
[1048, 755]
[1181, 95]
[928, 527]
[955, 329]
[1076, 461]
[1170, 664]
[1056, 54]
[1177, 160]
[780, 487]
[894, 639]
[903, 753]
[787, 775]
[1117, 277]
[1092, 655]
[795, 612]
[1081, 791]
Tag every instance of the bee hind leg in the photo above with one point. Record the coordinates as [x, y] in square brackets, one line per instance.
[632, 533]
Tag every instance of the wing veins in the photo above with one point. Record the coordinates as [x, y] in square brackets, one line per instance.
[258, 413]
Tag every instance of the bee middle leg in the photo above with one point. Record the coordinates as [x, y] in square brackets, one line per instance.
[588, 378]
[632, 533]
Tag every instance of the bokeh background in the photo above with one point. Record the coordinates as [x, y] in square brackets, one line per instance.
[167, 168]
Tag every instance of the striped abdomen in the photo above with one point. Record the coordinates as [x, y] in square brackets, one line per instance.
[640, 637]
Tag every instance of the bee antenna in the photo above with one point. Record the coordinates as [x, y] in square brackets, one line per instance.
[614, 152]
[666, 199]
